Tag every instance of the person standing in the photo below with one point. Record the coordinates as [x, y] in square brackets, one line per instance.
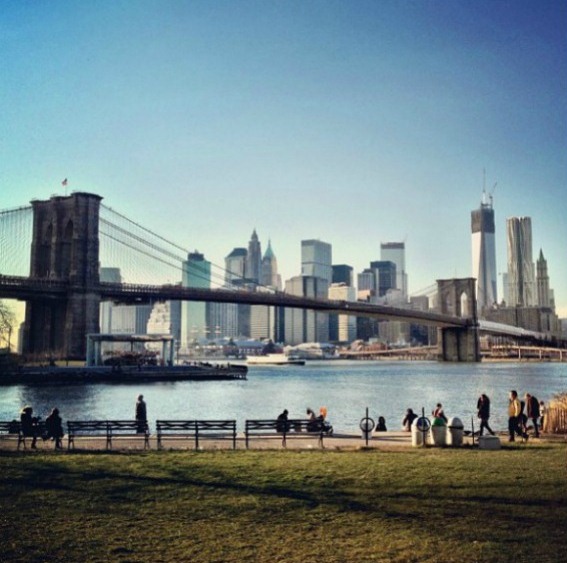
[514, 412]
[282, 424]
[141, 415]
[483, 408]
[532, 407]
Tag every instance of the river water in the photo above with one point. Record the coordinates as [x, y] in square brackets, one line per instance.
[346, 388]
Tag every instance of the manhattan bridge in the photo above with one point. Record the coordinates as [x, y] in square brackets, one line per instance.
[51, 253]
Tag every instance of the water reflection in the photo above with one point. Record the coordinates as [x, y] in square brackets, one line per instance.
[345, 388]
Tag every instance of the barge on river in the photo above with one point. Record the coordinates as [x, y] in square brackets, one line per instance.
[56, 375]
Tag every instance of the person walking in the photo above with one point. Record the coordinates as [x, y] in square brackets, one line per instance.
[533, 412]
[483, 408]
[141, 415]
[514, 412]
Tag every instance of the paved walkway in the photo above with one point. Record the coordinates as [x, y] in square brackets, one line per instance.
[381, 440]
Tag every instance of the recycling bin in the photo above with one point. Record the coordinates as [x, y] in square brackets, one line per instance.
[419, 430]
[438, 432]
[455, 431]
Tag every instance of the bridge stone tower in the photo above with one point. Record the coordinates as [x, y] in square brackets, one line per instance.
[65, 247]
[457, 297]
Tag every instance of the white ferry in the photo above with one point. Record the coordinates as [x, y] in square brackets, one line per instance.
[274, 360]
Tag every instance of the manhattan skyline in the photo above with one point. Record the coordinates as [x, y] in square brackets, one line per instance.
[355, 123]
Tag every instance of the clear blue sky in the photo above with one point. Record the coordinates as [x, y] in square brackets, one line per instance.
[349, 121]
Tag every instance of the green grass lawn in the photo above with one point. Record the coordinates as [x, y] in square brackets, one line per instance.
[275, 506]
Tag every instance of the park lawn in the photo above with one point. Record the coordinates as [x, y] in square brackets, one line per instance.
[293, 506]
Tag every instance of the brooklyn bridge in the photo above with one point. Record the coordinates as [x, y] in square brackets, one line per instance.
[51, 253]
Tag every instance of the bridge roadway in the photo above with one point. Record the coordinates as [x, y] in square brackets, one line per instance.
[25, 288]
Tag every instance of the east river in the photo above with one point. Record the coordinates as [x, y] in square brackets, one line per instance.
[345, 388]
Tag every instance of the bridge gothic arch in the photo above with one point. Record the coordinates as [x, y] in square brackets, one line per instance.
[457, 297]
[65, 247]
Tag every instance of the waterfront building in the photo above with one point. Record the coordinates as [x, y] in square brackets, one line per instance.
[342, 328]
[165, 319]
[521, 275]
[196, 272]
[129, 319]
[343, 274]
[484, 253]
[304, 325]
[317, 260]
[396, 252]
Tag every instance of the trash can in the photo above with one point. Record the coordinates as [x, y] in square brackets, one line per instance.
[419, 430]
[455, 430]
[367, 428]
[438, 432]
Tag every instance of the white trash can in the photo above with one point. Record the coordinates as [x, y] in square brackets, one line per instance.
[419, 430]
[455, 431]
[438, 432]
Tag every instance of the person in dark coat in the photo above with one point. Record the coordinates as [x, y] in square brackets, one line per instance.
[282, 424]
[29, 425]
[408, 420]
[483, 408]
[141, 415]
[532, 407]
[54, 427]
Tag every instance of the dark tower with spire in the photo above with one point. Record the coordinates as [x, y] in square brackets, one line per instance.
[254, 259]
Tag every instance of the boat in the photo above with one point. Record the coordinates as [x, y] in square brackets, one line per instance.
[274, 360]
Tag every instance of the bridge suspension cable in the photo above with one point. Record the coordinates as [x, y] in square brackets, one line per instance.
[15, 240]
[136, 251]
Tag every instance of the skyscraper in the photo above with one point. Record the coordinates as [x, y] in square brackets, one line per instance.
[344, 329]
[521, 278]
[542, 279]
[254, 259]
[385, 274]
[269, 271]
[343, 274]
[196, 273]
[302, 325]
[317, 260]
[484, 253]
[396, 252]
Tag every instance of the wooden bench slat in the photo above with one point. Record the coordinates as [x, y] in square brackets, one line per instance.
[196, 429]
[107, 429]
[292, 428]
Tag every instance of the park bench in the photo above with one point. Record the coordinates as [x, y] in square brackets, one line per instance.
[196, 430]
[107, 429]
[293, 428]
[12, 430]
